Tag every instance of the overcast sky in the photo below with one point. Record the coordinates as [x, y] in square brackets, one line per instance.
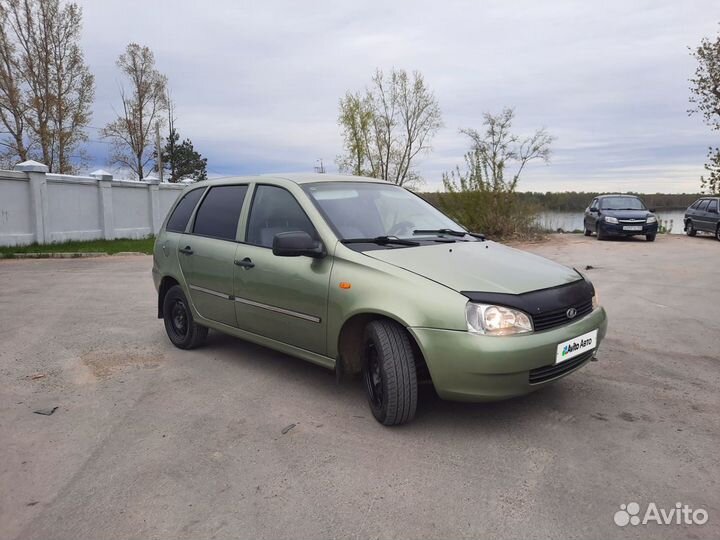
[257, 84]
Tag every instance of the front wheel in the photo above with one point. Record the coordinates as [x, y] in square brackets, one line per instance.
[650, 237]
[689, 229]
[182, 330]
[389, 373]
[600, 234]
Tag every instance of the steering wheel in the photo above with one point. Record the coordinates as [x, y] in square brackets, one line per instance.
[402, 227]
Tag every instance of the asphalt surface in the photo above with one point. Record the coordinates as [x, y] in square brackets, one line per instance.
[152, 442]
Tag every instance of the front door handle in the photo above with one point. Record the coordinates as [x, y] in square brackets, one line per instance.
[187, 250]
[245, 263]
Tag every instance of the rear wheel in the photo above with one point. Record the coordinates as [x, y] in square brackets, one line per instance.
[587, 232]
[689, 229]
[389, 372]
[650, 237]
[717, 232]
[182, 330]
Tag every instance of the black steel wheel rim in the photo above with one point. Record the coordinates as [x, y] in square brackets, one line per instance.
[373, 376]
[179, 318]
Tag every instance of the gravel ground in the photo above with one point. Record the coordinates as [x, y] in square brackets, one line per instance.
[152, 442]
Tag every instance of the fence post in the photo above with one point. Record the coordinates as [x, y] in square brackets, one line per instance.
[104, 179]
[38, 196]
[155, 217]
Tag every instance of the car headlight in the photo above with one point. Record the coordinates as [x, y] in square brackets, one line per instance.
[652, 219]
[611, 219]
[496, 320]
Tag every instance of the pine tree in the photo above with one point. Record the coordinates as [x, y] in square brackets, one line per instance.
[181, 159]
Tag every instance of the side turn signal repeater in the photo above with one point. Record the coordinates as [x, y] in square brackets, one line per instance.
[345, 285]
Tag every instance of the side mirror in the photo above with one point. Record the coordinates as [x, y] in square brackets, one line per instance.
[651, 210]
[296, 244]
[593, 208]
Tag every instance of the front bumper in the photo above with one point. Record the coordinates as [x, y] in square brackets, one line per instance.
[616, 229]
[470, 367]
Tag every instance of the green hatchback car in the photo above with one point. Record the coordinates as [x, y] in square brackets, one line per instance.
[364, 277]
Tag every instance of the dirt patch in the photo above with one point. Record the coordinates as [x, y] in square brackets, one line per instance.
[104, 364]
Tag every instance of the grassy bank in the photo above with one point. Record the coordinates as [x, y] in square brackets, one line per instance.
[92, 246]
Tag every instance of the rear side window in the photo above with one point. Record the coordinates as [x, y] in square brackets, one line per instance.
[696, 204]
[275, 210]
[180, 216]
[219, 212]
[713, 206]
[703, 205]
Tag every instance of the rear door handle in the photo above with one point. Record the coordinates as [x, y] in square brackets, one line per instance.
[187, 250]
[245, 263]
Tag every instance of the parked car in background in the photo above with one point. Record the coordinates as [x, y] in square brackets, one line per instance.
[703, 215]
[362, 276]
[620, 215]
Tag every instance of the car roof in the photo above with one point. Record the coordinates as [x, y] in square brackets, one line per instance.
[617, 195]
[297, 178]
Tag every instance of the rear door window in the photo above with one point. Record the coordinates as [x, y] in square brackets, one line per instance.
[703, 205]
[713, 206]
[219, 212]
[180, 216]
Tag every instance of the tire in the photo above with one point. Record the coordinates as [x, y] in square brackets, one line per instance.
[600, 234]
[689, 229]
[389, 372]
[650, 237]
[717, 232]
[182, 330]
[587, 232]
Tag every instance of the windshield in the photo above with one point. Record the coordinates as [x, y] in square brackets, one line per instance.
[369, 210]
[621, 203]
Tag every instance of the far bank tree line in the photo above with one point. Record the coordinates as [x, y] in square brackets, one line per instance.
[47, 93]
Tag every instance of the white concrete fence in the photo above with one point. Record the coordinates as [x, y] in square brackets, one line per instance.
[36, 206]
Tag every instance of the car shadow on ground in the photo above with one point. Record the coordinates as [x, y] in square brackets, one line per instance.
[348, 396]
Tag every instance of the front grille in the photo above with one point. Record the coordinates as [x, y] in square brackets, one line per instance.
[558, 317]
[632, 221]
[548, 373]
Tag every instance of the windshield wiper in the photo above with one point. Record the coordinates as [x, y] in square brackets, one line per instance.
[449, 232]
[381, 240]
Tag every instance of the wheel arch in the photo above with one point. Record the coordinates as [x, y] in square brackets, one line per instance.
[165, 284]
[350, 338]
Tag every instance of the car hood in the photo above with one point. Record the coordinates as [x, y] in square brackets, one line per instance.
[479, 266]
[627, 214]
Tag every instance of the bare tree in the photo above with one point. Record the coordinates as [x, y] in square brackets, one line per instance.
[482, 197]
[386, 129]
[497, 149]
[142, 107]
[46, 89]
[705, 97]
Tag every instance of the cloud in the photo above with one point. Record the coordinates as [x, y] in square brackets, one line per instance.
[257, 83]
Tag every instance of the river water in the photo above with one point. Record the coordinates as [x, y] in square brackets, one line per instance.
[571, 221]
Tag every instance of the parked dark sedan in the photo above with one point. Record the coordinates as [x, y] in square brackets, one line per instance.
[620, 215]
[703, 215]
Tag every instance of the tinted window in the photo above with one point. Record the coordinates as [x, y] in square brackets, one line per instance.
[219, 212]
[179, 218]
[713, 206]
[703, 205]
[275, 210]
[696, 204]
